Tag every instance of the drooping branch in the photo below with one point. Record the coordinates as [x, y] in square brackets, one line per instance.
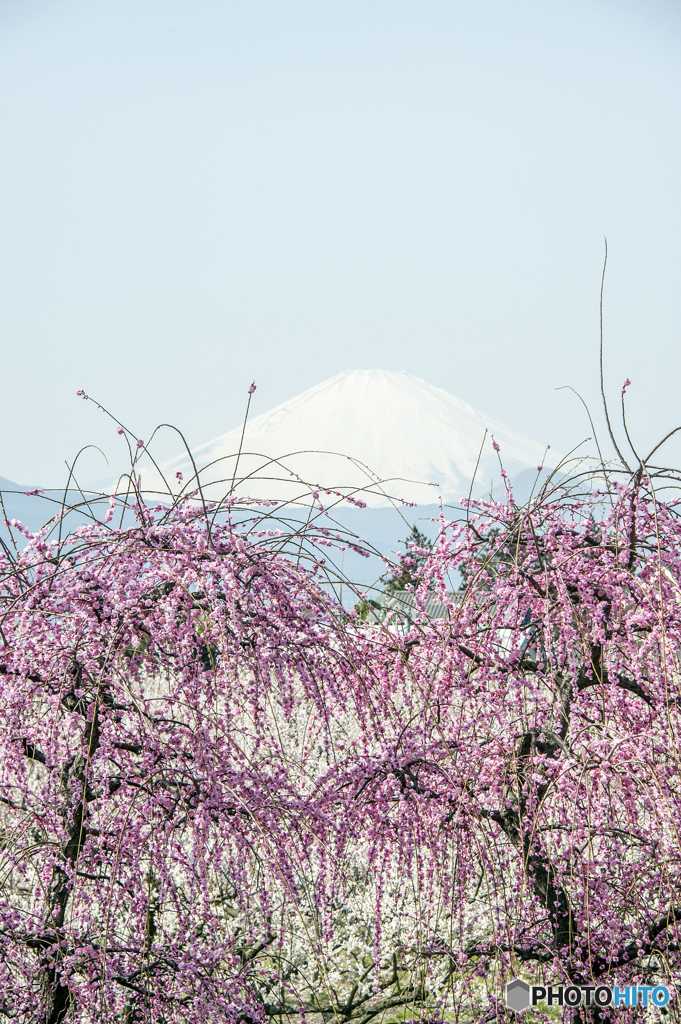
[642, 946]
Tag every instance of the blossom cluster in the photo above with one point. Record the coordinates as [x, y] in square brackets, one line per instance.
[226, 799]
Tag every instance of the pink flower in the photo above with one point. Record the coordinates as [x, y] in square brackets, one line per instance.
[495, 445]
[81, 393]
[178, 476]
[539, 469]
[140, 444]
[625, 385]
[213, 608]
[120, 430]
[252, 388]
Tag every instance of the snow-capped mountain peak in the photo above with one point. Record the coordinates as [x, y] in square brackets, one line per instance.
[377, 434]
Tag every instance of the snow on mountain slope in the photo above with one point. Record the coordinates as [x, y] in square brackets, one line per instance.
[391, 434]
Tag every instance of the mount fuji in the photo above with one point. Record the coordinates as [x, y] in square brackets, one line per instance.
[374, 435]
[377, 435]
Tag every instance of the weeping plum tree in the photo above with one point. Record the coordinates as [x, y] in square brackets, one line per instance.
[226, 799]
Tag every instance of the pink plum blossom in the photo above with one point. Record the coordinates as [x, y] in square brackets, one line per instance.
[210, 770]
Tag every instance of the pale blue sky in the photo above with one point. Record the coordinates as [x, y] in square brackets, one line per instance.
[196, 193]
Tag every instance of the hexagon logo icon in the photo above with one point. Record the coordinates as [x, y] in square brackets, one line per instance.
[517, 995]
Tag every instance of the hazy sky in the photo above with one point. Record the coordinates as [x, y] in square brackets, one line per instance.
[196, 193]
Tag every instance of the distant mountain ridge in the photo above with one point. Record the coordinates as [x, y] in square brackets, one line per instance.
[33, 507]
[377, 434]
